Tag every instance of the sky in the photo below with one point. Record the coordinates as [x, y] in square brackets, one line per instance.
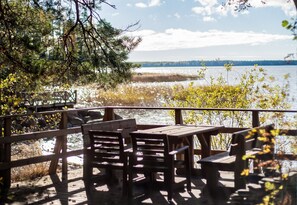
[181, 30]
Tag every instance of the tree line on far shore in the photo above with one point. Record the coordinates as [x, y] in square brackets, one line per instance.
[218, 63]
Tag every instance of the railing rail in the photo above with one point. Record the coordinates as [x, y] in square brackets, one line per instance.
[60, 150]
[45, 100]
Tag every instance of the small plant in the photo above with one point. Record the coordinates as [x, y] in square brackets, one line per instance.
[275, 191]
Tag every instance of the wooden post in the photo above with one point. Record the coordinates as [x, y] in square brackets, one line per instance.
[75, 96]
[178, 116]
[179, 121]
[63, 125]
[108, 114]
[61, 145]
[5, 156]
[255, 118]
[239, 180]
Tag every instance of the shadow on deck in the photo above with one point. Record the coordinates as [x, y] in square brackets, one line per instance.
[52, 190]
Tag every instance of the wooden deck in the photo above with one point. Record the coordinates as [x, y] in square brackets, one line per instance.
[51, 190]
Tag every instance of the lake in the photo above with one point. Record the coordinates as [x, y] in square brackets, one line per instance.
[276, 71]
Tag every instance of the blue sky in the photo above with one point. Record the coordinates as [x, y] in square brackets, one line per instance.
[178, 30]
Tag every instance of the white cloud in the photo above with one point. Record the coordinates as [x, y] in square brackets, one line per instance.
[202, 10]
[184, 39]
[208, 19]
[213, 8]
[207, 2]
[177, 15]
[141, 5]
[151, 3]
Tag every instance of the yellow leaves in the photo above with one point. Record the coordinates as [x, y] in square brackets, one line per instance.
[286, 76]
[285, 176]
[266, 149]
[248, 156]
[245, 172]
[275, 132]
[266, 200]
[262, 139]
[269, 186]
[251, 133]
[273, 141]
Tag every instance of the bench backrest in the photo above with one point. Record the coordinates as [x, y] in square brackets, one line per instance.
[150, 151]
[240, 143]
[126, 125]
[107, 147]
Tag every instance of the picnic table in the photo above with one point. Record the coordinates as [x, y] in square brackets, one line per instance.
[183, 134]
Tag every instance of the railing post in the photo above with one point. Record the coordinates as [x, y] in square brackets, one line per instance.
[63, 125]
[75, 96]
[108, 114]
[178, 116]
[61, 145]
[5, 156]
[255, 118]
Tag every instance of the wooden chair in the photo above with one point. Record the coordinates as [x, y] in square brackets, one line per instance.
[125, 125]
[152, 154]
[107, 151]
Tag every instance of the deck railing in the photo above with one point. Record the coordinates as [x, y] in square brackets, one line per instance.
[60, 133]
[45, 100]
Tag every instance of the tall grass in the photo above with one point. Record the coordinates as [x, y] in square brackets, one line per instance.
[23, 151]
[131, 94]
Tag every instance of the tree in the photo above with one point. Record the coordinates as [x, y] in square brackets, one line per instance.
[58, 37]
[241, 5]
[55, 42]
[244, 4]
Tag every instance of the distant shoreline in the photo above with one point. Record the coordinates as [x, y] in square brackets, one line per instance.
[218, 63]
[161, 77]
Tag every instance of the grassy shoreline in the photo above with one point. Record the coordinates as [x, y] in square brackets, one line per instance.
[135, 93]
[161, 77]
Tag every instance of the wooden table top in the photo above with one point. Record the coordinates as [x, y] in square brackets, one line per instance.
[182, 130]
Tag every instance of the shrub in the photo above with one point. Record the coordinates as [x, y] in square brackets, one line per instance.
[254, 89]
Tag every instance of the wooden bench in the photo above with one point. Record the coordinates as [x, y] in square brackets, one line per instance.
[232, 160]
[123, 126]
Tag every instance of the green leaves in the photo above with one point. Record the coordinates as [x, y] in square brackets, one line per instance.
[255, 89]
[285, 23]
[292, 26]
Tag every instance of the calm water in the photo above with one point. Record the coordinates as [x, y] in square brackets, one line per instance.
[276, 71]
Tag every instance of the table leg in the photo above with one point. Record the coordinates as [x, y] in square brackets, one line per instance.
[205, 142]
[191, 147]
[187, 141]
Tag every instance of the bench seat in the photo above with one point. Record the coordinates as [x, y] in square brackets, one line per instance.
[232, 160]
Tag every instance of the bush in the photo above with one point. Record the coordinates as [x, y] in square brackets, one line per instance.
[254, 89]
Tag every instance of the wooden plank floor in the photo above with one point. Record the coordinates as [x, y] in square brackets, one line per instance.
[51, 190]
